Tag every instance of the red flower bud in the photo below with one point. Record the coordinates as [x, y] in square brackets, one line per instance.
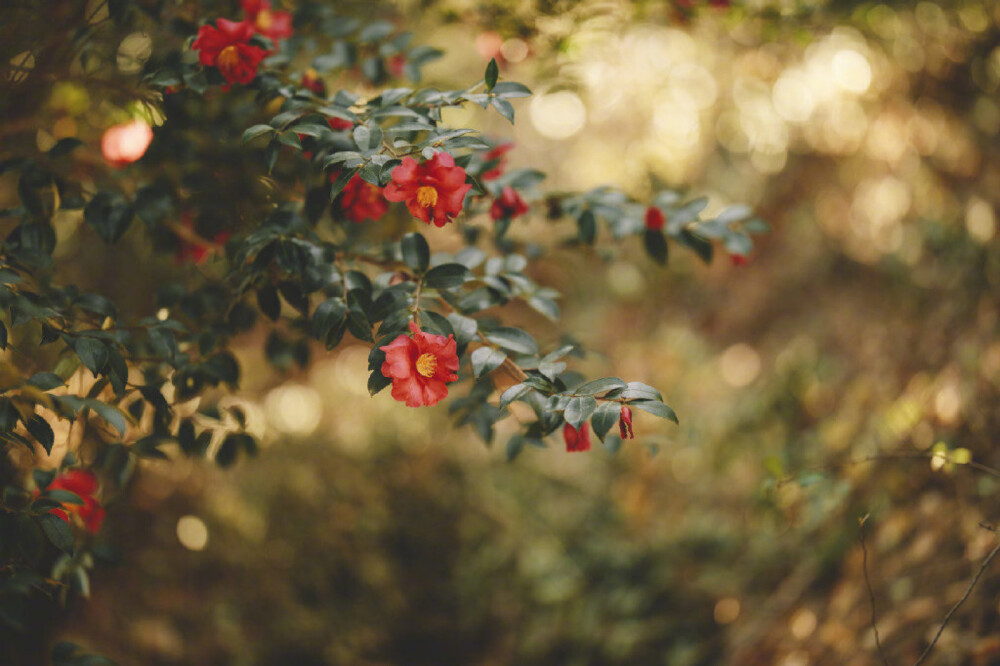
[577, 440]
[655, 219]
[625, 423]
[313, 82]
[498, 154]
[739, 259]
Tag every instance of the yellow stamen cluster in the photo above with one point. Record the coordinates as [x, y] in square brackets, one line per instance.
[427, 196]
[264, 20]
[229, 57]
[427, 364]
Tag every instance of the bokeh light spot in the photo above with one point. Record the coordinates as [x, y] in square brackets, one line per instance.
[192, 533]
[558, 115]
[739, 365]
[294, 409]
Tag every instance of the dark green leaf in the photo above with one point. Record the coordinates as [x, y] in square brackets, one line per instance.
[416, 252]
[92, 352]
[486, 359]
[605, 417]
[492, 73]
[268, 302]
[513, 339]
[64, 147]
[327, 314]
[46, 380]
[109, 413]
[255, 131]
[447, 276]
[600, 386]
[513, 393]
[109, 215]
[377, 381]
[504, 108]
[57, 531]
[579, 410]
[656, 245]
[656, 408]
[586, 227]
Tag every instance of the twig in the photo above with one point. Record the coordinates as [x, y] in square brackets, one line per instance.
[968, 591]
[868, 584]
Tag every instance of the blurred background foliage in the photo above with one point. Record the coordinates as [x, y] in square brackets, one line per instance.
[850, 370]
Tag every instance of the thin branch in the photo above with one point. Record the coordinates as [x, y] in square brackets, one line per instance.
[968, 591]
[868, 584]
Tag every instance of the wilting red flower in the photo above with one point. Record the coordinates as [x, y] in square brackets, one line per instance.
[508, 205]
[312, 81]
[273, 24]
[498, 153]
[228, 47]
[739, 259]
[655, 218]
[419, 367]
[83, 483]
[433, 191]
[577, 440]
[360, 200]
[124, 144]
[625, 423]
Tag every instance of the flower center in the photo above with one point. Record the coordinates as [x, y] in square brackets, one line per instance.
[427, 196]
[264, 20]
[427, 364]
[228, 58]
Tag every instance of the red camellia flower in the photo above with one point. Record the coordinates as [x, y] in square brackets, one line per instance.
[625, 423]
[360, 200]
[419, 367]
[433, 191]
[508, 205]
[124, 144]
[337, 124]
[272, 24]
[655, 219]
[577, 440]
[498, 153]
[312, 82]
[227, 47]
[83, 483]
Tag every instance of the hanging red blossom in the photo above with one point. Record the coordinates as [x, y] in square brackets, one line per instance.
[577, 440]
[625, 423]
[83, 483]
[419, 367]
[433, 191]
[227, 47]
[498, 153]
[272, 24]
[655, 219]
[360, 200]
[508, 205]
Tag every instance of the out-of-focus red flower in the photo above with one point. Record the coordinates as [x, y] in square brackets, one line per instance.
[420, 367]
[193, 251]
[498, 153]
[360, 200]
[508, 205]
[227, 47]
[396, 65]
[625, 423]
[313, 82]
[433, 191]
[337, 124]
[739, 259]
[272, 24]
[488, 44]
[83, 483]
[124, 144]
[655, 219]
[577, 440]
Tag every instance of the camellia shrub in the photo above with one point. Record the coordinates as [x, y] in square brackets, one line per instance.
[177, 175]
